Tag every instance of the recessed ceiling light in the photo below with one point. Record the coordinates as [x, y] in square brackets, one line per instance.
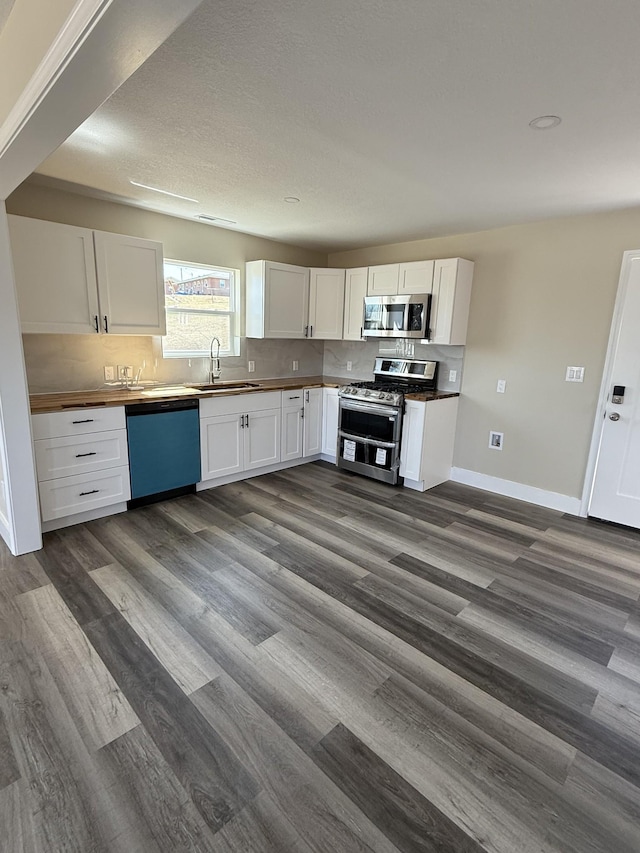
[164, 192]
[544, 122]
[206, 218]
[291, 199]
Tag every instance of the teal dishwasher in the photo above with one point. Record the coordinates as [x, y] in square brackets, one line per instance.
[164, 449]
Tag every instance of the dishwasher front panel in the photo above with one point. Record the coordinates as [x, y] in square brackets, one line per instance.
[164, 450]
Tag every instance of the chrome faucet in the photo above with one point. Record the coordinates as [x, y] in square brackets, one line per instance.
[214, 365]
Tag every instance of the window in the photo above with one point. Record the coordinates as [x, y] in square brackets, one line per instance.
[201, 303]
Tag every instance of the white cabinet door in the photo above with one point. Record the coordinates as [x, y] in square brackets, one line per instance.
[451, 298]
[277, 300]
[312, 421]
[262, 438]
[416, 277]
[412, 440]
[55, 276]
[326, 304]
[83, 492]
[130, 284]
[383, 279]
[292, 432]
[80, 454]
[329, 421]
[355, 290]
[221, 445]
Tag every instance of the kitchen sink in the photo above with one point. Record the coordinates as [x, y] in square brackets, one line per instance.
[225, 386]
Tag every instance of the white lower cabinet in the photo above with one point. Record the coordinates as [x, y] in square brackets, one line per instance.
[330, 403]
[292, 425]
[428, 435]
[82, 463]
[240, 433]
[312, 444]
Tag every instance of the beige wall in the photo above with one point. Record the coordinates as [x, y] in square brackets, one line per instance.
[543, 297]
[23, 45]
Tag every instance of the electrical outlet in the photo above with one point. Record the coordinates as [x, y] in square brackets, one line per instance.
[125, 370]
[453, 375]
[109, 373]
[495, 440]
[349, 365]
[295, 364]
[501, 387]
[251, 366]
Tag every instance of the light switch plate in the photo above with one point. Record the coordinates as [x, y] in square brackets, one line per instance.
[295, 364]
[109, 373]
[453, 375]
[501, 387]
[349, 365]
[251, 366]
[574, 374]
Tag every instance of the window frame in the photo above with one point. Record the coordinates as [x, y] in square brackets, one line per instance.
[233, 313]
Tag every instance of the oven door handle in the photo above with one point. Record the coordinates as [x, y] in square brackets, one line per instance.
[373, 408]
[349, 436]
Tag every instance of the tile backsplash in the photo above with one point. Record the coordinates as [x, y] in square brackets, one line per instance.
[76, 362]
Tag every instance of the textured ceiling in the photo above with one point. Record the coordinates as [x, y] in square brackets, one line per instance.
[389, 120]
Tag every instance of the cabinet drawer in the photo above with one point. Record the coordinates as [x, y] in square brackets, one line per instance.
[71, 454]
[78, 422]
[254, 401]
[70, 495]
[293, 399]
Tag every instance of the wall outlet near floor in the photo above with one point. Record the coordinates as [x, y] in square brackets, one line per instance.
[349, 365]
[495, 440]
[109, 373]
[501, 387]
[295, 364]
[251, 366]
[453, 375]
[574, 374]
[125, 370]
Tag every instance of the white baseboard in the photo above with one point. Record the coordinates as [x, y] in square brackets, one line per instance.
[520, 491]
[327, 458]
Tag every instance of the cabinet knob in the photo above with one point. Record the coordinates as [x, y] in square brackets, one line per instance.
[614, 416]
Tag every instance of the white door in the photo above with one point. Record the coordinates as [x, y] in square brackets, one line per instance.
[262, 438]
[616, 488]
[382, 280]
[416, 277]
[312, 421]
[286, 306]
[355, 290]
[55, 274]
[326, 304]
[222, 445]
[292, 430]
[130, 284]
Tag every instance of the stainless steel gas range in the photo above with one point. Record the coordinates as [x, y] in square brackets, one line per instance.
[370, 416]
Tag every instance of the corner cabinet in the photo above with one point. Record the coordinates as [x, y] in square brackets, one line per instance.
[277, 300]
[72, 280]
[451, 299]
[355, 290]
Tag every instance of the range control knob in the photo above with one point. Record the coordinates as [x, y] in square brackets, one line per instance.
[367, 393]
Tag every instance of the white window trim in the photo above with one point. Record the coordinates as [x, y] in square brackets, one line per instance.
[234, 314]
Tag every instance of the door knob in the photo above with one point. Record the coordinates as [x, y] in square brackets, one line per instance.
[614, 416]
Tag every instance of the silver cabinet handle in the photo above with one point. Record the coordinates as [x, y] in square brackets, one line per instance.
[614, 416]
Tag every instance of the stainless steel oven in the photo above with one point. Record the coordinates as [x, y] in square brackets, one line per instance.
[369, 439]
[370, 416]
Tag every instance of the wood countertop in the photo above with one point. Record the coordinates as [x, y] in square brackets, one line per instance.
[63, 400]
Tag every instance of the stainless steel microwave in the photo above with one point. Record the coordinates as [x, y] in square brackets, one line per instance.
[397, 316]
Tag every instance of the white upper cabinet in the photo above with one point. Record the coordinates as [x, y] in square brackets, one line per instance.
[392, 279]
[73, 280]
[355, 290]
[130, 284]
[451, 298]
[277, 300]
[326, 303]
[383, 280]
[416, 277]
[55, 276]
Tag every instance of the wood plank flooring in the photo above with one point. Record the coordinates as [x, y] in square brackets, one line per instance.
[312, 661]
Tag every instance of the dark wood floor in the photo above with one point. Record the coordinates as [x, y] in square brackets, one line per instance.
[311, 661]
